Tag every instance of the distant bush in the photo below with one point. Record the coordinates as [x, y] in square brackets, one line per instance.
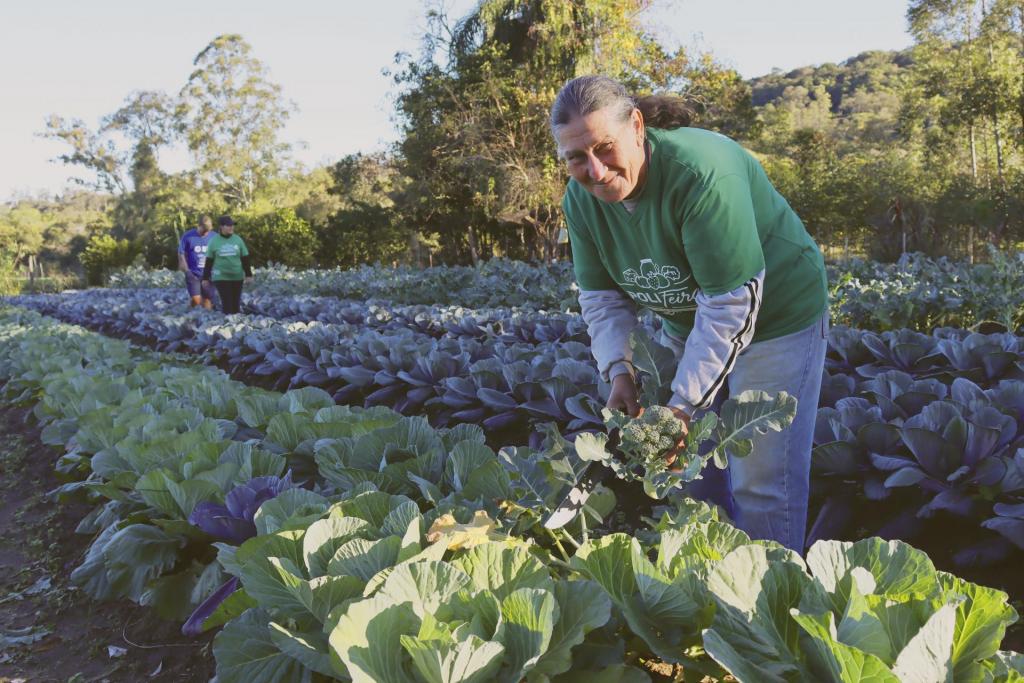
[8, 275]
[278, 237]
[104, 254]
[51, 284]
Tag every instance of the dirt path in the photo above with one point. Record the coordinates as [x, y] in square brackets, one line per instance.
[49, 630]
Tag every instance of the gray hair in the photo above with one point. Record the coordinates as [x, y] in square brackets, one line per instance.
[587, 94]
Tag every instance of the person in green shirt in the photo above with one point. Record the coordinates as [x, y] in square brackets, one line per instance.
[227, 265]
[685, 223]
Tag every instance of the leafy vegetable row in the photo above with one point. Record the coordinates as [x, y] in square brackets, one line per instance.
[923, 293]
[118, 308]
[296, 354]
[497, 282]
[917, 292]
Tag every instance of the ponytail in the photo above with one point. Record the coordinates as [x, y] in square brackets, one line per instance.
[664, 111]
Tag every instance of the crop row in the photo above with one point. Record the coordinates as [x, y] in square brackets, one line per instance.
[917, 292]
[497, 282]
[117, 309]
[411, 553]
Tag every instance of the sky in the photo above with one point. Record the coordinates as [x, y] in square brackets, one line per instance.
[82, 59]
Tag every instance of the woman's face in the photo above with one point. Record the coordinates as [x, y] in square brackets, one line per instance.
[227, 230]
[604, 155]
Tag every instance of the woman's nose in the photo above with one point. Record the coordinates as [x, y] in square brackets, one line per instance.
[595, 168]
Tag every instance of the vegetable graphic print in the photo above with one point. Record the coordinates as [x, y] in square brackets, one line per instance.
[662, 289]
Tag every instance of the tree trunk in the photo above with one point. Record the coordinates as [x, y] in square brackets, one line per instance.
[974, 155]
[999, 149]
[995, 112]
[474, 252]
[1020, 10]
[415, 248]
[970, 70]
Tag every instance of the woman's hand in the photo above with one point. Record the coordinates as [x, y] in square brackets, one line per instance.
[624, 396]
[248, 280]
[673, 454]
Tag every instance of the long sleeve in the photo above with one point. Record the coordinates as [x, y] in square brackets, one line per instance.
[208, 267]
[610, 316]
[723, 327]
[247, 265]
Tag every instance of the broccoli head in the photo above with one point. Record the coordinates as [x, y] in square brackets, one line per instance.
[647, 438]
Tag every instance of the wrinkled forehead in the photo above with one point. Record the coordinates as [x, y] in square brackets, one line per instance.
[583, 133]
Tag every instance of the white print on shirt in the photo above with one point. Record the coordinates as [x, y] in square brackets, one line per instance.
[228, 250]
[661, 289]
[200, 251]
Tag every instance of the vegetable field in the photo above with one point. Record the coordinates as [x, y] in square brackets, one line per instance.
[349, 481]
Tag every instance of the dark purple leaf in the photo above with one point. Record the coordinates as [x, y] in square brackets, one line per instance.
[502, 421]
[1010, 528]
[194, 626]
[216, 520]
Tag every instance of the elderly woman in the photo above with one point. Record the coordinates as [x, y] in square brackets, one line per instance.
[684, 222]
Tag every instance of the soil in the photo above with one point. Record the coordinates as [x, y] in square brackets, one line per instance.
[66, 636]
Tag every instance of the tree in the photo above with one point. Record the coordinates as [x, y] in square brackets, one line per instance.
[130, 136]
[231, 117]
[969, 64]
[721, 98]
[476, 141]
[365, 228]
[21, 233]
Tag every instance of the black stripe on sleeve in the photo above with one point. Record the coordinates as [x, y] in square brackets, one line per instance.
[737, 346]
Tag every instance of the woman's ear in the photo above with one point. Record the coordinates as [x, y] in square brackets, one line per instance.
[638, 125]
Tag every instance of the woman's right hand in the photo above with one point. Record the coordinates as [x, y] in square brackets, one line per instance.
[624, 395]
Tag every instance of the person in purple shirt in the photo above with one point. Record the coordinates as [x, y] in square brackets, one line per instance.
[192, 258]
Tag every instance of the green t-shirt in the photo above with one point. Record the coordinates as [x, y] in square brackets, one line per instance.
[227, 253]
[707, 219]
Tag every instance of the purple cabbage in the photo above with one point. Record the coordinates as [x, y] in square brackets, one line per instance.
[233, 521]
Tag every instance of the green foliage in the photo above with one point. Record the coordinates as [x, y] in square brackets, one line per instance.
[8, 275]
[635, 448]
[477, 148]
[103, 254]
[278, 237]
[231, 116]
[21, 231]
[366, 228]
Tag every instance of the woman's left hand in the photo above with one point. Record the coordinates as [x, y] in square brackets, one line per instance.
[673, 455]
[248, 280]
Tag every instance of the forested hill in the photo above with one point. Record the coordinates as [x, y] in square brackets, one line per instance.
[848, 83]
